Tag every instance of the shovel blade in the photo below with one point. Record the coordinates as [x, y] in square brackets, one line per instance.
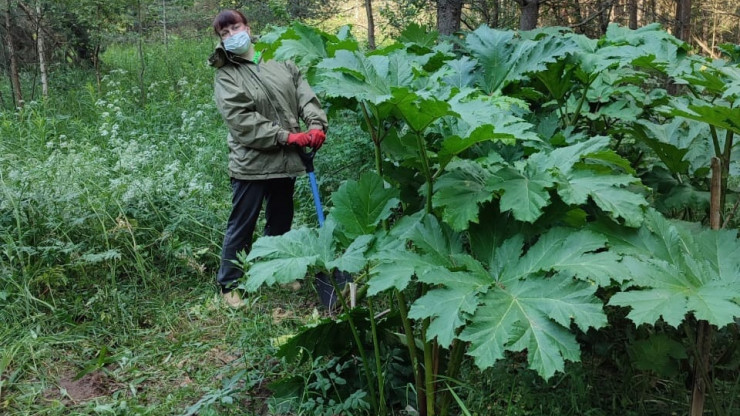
[327, 294]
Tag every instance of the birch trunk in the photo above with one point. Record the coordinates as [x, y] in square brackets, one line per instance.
[41, 52]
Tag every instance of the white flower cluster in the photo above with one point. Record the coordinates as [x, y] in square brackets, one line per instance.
[129, 156]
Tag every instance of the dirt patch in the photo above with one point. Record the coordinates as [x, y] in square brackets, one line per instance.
[88, 387]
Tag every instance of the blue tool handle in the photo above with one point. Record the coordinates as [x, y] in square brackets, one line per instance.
[316, 199]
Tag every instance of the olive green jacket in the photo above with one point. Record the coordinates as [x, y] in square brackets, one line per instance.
[261, 104]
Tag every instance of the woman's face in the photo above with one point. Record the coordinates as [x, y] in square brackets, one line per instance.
[230, 30]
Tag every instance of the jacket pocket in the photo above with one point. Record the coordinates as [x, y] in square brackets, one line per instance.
[250, 161]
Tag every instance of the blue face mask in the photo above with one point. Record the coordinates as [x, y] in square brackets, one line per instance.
[238, 43]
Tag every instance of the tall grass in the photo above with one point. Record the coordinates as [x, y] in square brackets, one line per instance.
[106, 189]
[113, 200]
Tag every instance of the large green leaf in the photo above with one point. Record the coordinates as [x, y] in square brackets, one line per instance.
[288, 257]
[525, 187]
[395, 268]
[732, 83]
[353, 259]
[607, 191]
[418, 35]
[359, 206]
[503, 113]
[460, 192]
[524, 193]
[578, 253]
[438, 259]
[436, 247]
[716, 77]
[301, 44]
[437, 240]
[459, 72]
[364, 78]
[678, 270]
[563, 158]
[522, 309]
[660, 138]
[533, 315]
[450, 305]
[284, 258]
[416, 111]
[504, 58]
[715, 114]
[663, 49]
[722, 250]
[658, 353]
[482, 118]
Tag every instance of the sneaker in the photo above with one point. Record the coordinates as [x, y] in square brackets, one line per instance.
[233, 299]
[294, 286]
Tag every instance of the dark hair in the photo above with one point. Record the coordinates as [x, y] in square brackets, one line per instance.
[228, 17]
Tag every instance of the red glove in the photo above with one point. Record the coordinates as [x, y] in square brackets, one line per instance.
[317, 138]
[301, 139]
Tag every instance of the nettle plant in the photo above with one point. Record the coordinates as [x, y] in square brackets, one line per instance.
[507, 206]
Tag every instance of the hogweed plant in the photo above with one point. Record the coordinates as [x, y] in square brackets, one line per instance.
[507, 212]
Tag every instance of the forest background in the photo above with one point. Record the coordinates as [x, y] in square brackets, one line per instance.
[113, 196]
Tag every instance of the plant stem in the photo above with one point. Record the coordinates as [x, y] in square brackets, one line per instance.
[703, 329]
[425, 168]
[577, 113]
[715, 141]
[456, 356]
[374, 136]
[726, 158]
[411, 345]
[378, 363]
[715, 194]
[701, 368]
[358, 341]
[428, 367]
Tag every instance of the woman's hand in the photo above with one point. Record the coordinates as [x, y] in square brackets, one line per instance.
[317, 138]
[300, 139]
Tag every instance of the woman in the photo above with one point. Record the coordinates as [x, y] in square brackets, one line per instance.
[261, 104]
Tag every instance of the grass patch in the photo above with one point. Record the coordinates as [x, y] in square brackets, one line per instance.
[112, 209]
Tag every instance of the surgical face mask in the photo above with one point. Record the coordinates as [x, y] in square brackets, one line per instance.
[238, 43]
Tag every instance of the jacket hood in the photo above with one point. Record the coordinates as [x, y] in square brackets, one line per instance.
[218, 58]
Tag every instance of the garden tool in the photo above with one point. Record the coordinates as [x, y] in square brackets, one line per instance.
[324, 287]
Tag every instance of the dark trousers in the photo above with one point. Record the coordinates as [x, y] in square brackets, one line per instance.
[246, 205]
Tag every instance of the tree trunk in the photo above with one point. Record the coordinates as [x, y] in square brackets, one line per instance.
[577, 17]
[140, 49]
[633, 14]
[164, 24]
[448, 16]
[530, 14]
[496, 12]
[605, 15]
[370, 24]
[42, 52]
[36, 17]
[682, 29]
[15, 79]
